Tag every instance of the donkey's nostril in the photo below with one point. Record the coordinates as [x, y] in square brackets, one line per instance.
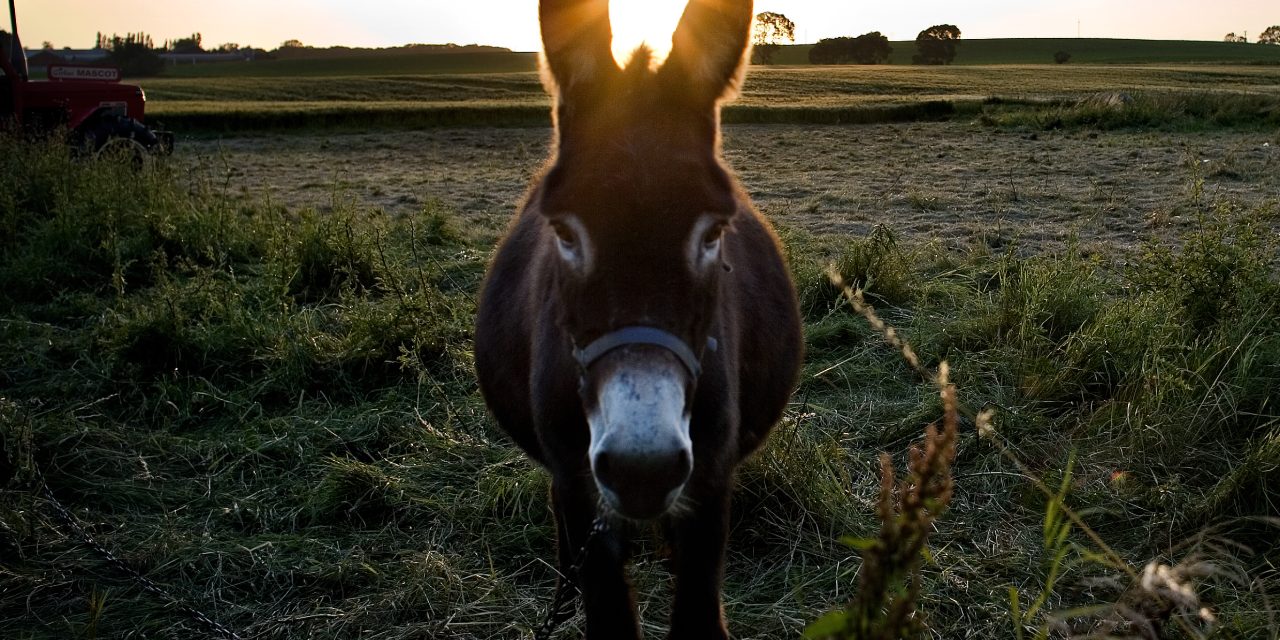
[642, 483]
[683, 464]
[600, 465]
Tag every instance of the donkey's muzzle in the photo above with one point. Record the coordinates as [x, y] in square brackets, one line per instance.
[641, 453]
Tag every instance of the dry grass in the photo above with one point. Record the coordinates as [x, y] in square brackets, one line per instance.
[1161, 599]
[889, 581]
[1109, 190]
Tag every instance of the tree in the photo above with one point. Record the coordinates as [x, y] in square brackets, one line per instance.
[135, 54]
[937, 44]
[6, 41]
[1062, 57]
[1270, 35]
[832, 51]
[292, 43]
[868, 48]
[1232, 37]
[190, 44]
[871, 48]
[767, 35]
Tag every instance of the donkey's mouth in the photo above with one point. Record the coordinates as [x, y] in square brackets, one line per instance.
[641, 506]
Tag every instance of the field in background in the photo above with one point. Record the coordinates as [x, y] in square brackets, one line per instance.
[766, 86]
[771, 94]
[408, 90]
[955, 182]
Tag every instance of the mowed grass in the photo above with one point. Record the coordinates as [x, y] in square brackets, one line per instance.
[765, 86]
[793, 94]
[273, 413]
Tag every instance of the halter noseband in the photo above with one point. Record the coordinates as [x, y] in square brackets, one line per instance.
[642, 335]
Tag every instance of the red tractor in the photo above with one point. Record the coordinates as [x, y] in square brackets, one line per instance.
[87, 102]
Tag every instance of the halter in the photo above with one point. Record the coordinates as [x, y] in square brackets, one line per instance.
[643, 335]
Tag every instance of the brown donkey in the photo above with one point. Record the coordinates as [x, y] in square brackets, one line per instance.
[638, 334]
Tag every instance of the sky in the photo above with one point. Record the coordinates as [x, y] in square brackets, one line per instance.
[513, 23]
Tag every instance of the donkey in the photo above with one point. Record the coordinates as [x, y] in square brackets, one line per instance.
[638, 333]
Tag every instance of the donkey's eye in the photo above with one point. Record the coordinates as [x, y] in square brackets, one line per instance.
[703, 243]
[565, 235]
[572, 243]
[711, 238]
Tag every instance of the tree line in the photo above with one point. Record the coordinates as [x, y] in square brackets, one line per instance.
[935, 45]
[136, 54]
[1270, 35]
[193, 43]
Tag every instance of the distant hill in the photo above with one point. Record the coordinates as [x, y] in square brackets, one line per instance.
[368, 63]
[312, 53]
[1082, 50]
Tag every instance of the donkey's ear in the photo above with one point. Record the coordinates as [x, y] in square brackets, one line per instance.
[576, 41]
[709, 47]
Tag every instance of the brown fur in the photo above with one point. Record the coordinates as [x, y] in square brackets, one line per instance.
[637, 161]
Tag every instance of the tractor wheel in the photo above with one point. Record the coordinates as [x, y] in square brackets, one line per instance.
[122, 138]
[124, 150]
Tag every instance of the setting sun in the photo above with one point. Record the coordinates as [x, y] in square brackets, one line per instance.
[650, 22]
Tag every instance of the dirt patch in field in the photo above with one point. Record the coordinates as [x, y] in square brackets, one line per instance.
[957, 182]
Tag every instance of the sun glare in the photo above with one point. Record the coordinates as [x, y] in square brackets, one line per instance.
[649, 22]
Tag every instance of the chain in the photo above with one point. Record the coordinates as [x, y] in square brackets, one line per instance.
[143, 582]
[562, 604]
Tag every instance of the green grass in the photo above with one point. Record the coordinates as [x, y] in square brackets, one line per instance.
[1167, 111]
[795, 94]
[766, 86]
[274, 413]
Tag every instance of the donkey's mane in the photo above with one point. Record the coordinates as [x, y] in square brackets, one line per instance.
[640, 63]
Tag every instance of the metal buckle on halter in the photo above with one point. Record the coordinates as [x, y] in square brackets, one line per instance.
[643, 335]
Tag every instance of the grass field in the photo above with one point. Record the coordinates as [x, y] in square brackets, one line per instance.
[495, 88]
[248, 370]
[766, 86]
[272, 412]
[792, 94]
[954, 182]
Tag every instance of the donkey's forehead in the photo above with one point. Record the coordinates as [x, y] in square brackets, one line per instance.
[620, 182]
[637, 105]
[637, 151]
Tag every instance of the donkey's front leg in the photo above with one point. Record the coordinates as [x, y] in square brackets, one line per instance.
[698, 539]
[606, 595]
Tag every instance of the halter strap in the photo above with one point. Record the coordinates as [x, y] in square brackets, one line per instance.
[642, 335]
